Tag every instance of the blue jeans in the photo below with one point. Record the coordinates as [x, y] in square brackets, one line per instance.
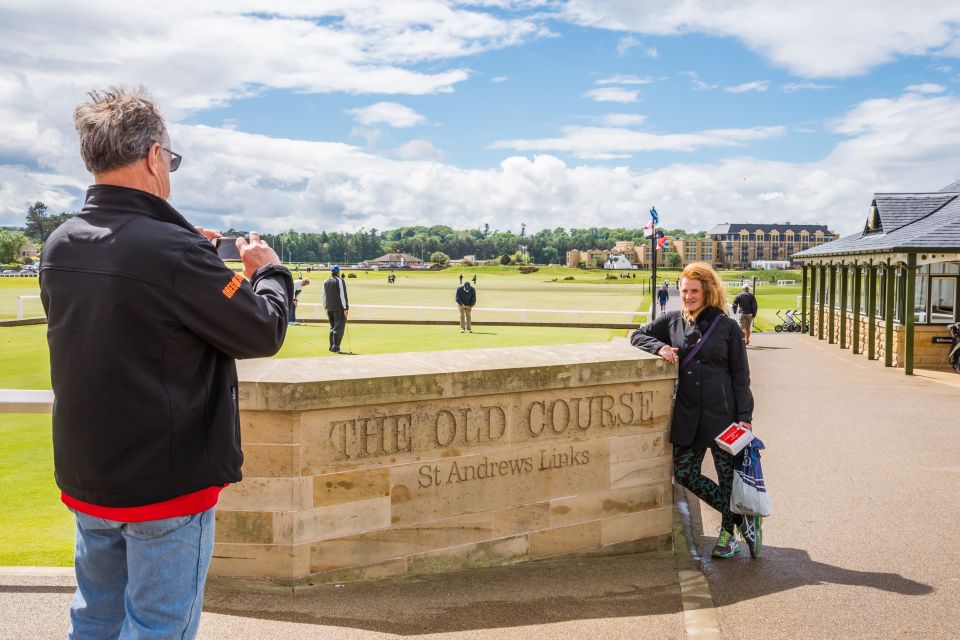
[140, 579]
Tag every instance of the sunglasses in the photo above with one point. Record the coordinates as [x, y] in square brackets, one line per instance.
[175, 159]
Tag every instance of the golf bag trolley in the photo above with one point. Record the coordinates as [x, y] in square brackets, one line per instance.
[790, 321]
[954, 356]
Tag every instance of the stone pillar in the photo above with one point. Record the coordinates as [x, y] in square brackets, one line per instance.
[373, 466]
[910, 273]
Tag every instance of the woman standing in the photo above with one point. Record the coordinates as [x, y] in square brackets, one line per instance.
[713, 391]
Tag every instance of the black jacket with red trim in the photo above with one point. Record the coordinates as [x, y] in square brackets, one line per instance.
[144, 324]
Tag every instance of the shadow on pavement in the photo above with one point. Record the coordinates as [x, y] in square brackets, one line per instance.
[538, 593]
[781, 569]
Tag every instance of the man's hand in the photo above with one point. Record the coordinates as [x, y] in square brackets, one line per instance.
[668, 353]
[346, 312]
[746, 425]
[255, 254]
[208, 233]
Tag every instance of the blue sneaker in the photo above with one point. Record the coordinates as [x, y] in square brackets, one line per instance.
[751, 530]
[726, 546]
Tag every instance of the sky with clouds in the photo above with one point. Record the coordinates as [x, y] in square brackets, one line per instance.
[349, 114]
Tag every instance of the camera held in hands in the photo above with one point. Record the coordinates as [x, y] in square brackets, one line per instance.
[227, 248]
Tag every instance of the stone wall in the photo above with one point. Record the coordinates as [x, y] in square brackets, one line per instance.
[926, 354]
[372, 466]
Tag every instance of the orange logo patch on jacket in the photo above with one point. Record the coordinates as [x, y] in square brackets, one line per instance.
[233, 285]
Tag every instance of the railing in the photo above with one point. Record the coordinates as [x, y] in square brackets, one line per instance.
[368, 312]
[25, 401]
[20, 300]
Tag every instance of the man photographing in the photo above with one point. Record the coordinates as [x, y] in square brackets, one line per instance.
[144, 325]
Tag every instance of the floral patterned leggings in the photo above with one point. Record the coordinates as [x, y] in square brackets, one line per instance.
[687, 462]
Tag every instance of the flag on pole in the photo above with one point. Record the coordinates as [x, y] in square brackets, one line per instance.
[659, 233]
[648, 230]
[654, 216]
[663, 243]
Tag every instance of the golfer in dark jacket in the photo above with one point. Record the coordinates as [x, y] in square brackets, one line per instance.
[466, 299]
[144, 324]
[746, 303]
[713, 391]
[334, 298]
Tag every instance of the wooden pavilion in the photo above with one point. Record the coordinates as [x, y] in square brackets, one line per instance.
[890, 290]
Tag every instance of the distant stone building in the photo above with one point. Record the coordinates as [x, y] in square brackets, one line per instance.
[738, 245]
[627, 254]
[392, 261]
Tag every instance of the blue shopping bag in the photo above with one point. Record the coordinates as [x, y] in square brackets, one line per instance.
[749, 496]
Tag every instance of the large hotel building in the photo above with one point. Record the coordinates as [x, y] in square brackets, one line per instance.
[738, 246]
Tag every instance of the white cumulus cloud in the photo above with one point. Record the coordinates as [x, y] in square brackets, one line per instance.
[612, 94]
[388, 113]
[815, 38]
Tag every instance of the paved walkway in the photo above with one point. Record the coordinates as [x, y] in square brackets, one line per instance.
[863, 464]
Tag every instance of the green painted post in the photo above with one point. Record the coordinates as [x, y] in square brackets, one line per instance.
[812, 328]
[908, 302]
[842, 312]
[823, 301]
[871, 313]
[857, 295]
[803, 298]
[889, 284]
[831, 322]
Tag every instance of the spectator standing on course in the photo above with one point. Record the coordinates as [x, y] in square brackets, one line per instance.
[713, 391]
[298, 286]
[662, 296]
[474, 279]
[461, 278]
[334, 298]
[144, 325]
[746, 302]
[466, 299]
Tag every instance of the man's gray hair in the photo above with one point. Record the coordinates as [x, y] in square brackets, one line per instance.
[117, 127]
[746, 287]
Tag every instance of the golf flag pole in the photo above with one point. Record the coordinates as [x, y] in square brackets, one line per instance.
[655, 220]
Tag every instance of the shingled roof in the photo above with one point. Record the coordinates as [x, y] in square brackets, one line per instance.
[907, 222]
[737, 227]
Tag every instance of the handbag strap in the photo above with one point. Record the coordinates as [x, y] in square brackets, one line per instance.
[701, 341]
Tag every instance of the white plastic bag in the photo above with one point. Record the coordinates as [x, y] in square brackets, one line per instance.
[749, 496]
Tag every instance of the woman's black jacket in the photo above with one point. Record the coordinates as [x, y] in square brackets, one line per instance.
[713, 390]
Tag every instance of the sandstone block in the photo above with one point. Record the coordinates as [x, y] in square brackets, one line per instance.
[635, 526]
[450, 487]
[270, 560]
[554, 542]
[267, 494]
[632, 473]
[271, 460]
[333, 521]
[379, 546]
[604, 504]
[244, 526]
[483, 554]
[337, 488]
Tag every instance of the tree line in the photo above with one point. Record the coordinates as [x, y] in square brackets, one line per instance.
[547, 246]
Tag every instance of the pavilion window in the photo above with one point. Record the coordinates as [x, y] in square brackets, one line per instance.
[920, 312]
[881, 292]
[864, 282]
[943, 296]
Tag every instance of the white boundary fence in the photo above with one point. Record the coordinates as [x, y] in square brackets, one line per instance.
[20, 300]
[314, 310]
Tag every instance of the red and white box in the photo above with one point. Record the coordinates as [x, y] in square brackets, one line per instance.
[734, 438]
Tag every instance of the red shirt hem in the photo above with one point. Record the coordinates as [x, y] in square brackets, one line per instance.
[185, 505]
